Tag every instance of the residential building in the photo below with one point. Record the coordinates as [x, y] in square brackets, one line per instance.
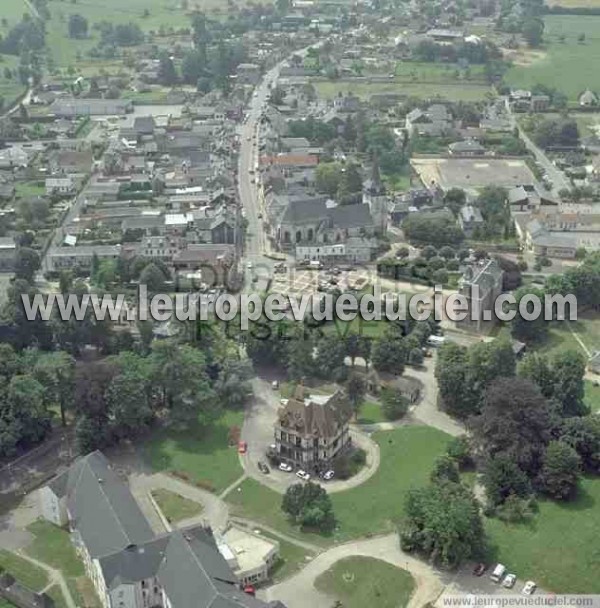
[434, 121]
[481, 284]
[59, 185]
[8, 251]
[74, 107]
[588, 98]
[128, 564]
[80, 256]
[248, 73]
[468, 147]
[470, 219]
[312, 430]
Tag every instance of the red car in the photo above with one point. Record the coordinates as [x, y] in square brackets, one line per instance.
[250, 590]
[479, 569]
[242, 447]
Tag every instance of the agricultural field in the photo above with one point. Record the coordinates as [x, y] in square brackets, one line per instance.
[12, 11]
[452, 92]
[10, 88]
[569, 64]
[445, 73]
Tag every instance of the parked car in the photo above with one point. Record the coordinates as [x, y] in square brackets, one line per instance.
[529, 588]
[242, 447]
[498, 573]
[285, 467]
[263, 468]
[303, 475]
[328, 475]
[509, 581]
[275, 385]
[479, 569]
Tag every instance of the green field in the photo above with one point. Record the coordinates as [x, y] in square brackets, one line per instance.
[10, 88]
[570, 66]
[52, 545]
[291, 558]
[25, 572]
[12, 11]
[559, 547]
[203, 454]
[357, 581]
[407, 457]
[453, 92]
[592, 396]
[370, 413]
[175, 507]
[445, 73]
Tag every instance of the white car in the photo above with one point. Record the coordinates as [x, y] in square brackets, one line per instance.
[329, 475]
[249, 265]
[303, 475]
[509, 581]
[285, 467]
[529, 588]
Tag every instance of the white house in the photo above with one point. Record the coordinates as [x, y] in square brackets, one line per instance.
[59, 185]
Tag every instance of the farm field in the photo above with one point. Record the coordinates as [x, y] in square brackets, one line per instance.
[453, 92]
[12, 11]
[10, 88]
[427, 72]
[570, 66]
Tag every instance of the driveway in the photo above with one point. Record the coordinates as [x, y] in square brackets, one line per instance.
[258, 433]
[299, 591]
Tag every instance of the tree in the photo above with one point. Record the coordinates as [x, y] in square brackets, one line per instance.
[233, 385]
[56, 373]
[350, 185]
[569, 368]
[445, 469]
[560, 470]
[167, 74]
[451, 376]
[300, 359]
[582, 433]
[443, 522]
[432, 229]
[328, 178]
[329, 361]
[27, 263]
[415, 357]
[309, 505]
[27, 410]
[515, 421]
[390, 353]
[393, 403]
[455, 199]
[460, 451]
[533, 32]
[78, 26]
[153, 277]
[502, 478]
[356, 389]
[179, 377]
[524, 329]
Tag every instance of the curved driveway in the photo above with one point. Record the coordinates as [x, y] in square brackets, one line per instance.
[258, 433]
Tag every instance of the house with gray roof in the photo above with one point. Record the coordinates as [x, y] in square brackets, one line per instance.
[129, 565]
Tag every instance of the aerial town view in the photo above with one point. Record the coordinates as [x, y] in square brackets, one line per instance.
[299, 303]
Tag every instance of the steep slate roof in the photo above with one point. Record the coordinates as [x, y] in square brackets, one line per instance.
[350, 216]
[101, 507]
[305, 211]
[194, 573]
[314, 415]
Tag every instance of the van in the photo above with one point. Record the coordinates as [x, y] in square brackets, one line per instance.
[314, 264]
[435, 340]
[498, 573]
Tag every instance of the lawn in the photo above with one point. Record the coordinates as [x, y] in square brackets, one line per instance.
[559, 548]
[291, 558]
[175, 507]
[203, 454]
[370, 413]
[570, 66]
[592, 396]
[13, 11]
[55, 592]
[453, 92]
[10, 88]
[52, 545]
[29, 189]
[429, 72]
[407, 457]
[357, 581]
[28, 574]
[559, 339]
[587, 328]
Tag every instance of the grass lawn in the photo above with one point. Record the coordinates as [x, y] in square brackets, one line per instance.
[201, 453]
[570, 65]
[29, 189]
[10, 88]
[52, 546]
[407, 457]
[175, 507]
[592, 396]
[453, 92]
[587, 328]
[429, 72]
[559, 547]
[291, 558]
[370, 413]
[357, 581]
[55, 592]
[13, 11]
[559, 338]
[5, 604]
[25, 572]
